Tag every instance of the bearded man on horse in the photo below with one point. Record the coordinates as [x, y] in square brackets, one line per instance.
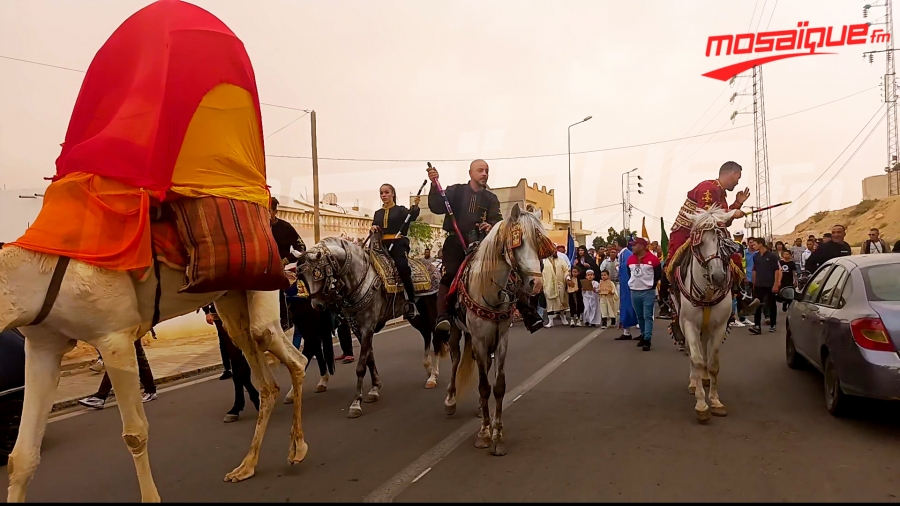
[476, 209]
[704, 196]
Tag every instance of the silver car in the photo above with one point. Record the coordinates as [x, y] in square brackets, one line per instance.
[842, 322]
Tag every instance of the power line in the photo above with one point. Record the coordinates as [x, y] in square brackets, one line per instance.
[838, 157]
[614, 148]
[839, 170]
[84, 72]
[772, 15]
[289, 124]
[595, 208]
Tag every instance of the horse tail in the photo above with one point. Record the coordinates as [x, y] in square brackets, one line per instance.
[465, 372]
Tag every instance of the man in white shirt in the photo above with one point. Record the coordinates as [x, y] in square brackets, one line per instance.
[874, 244]
[810, 246]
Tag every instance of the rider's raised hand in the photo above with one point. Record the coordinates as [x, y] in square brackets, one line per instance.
[432, 173]
[742, 196]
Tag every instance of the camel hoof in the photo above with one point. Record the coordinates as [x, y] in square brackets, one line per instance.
[702, 416]
[498, 449]
[240, 473]
[354, 412]
[430, 384]
[718, 411]
[297, 453]
[450, 409]
[706, 383]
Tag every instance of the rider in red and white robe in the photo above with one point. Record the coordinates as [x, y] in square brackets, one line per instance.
[704, 196]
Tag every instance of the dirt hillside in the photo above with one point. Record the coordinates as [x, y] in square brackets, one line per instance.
[883, 214]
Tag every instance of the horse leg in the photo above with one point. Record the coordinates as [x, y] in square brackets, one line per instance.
[121, 365]
[365, 344]
[376, 379]
[41, 378]
[455, 355]
[698, 366]
[498, 448]
[482, 359]
[233, 310]
[716, 406]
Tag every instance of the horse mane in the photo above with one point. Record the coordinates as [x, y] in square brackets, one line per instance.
[489, 257]
[708, 219]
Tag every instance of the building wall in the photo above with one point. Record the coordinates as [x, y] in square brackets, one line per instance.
[875, 187]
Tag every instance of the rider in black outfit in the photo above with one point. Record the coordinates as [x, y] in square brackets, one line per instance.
[391, 221]
[476, 209]
[285, 237]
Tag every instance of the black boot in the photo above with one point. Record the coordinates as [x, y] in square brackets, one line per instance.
[410, 301]
[443, 322]
[530, 317]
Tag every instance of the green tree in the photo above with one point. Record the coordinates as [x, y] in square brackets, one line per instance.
[599, 242]
[613, 235]
[422, 235]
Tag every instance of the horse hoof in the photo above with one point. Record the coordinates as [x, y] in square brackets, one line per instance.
[297, 453]
[450, 409]
[718, 411]
[321, 388]
[498, 449]
[482, 442]
[430, 384]
[706, 383]
[355, 412]
[372, 397]
[702, 416]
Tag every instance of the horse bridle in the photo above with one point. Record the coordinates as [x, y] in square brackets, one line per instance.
[695, 239]
[327, 270]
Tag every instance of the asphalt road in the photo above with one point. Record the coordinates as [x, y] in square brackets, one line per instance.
[608, 423]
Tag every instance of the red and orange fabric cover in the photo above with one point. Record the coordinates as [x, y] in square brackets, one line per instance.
[168, 109]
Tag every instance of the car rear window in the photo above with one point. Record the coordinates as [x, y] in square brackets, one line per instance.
[883, 282]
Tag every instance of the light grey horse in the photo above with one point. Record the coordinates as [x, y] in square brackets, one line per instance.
[704, 280]
[340, 274]
[506, 265]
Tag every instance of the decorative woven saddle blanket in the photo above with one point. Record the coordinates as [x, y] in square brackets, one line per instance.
[425, 276]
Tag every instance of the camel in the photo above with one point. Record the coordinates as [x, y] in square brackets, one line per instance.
[110, 310]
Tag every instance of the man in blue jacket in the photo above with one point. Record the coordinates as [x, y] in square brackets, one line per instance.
[627, 315]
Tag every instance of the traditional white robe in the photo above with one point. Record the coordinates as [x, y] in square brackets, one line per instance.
[592, 305]
[554, 273]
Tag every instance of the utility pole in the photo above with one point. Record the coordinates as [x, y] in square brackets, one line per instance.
[890, 94]
[315, 163]
[763, 193]
[626, 197]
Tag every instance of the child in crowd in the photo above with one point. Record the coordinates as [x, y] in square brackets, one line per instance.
[788, 269]
[609, 301]
[576, 302]
[591, 297]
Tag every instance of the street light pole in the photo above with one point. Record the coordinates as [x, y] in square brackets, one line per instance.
[571, 227]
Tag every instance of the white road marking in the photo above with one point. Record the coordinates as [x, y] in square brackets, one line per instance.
[567, 358]
[517, 397]
[399, 482]
[423, 473]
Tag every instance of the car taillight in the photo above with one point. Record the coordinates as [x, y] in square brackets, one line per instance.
[871, 334]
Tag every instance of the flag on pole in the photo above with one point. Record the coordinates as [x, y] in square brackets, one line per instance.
[570, 247]
[664, 240]
[644, 233]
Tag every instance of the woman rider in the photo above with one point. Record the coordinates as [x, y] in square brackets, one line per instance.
[389, 221]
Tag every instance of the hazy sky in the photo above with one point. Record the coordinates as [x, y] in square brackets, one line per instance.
[456, 80]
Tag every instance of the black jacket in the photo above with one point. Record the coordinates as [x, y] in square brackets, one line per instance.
[825, 252]
[469, 207]
[396, 216]
[286, 236]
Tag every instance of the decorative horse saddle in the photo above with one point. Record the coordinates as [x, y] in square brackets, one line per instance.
[425, 275]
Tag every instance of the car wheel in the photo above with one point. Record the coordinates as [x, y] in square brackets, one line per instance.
[835, 400]
[794, 359]
[10, 417]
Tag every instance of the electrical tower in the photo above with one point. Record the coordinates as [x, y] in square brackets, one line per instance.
[890, 95]
[763, 194]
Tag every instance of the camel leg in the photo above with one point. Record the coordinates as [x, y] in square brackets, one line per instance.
[121, 364]
[233, 309]
[41, 378]
[455, 355]
[498, 448]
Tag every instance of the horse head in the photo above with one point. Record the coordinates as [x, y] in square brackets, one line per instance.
[322, 268]
[710, 244]
[525, 245]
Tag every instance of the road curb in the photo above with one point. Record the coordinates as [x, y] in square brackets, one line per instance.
[61, 405]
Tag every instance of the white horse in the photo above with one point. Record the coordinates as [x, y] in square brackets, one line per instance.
[110, 310]
[704, 279]
[506, 265]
